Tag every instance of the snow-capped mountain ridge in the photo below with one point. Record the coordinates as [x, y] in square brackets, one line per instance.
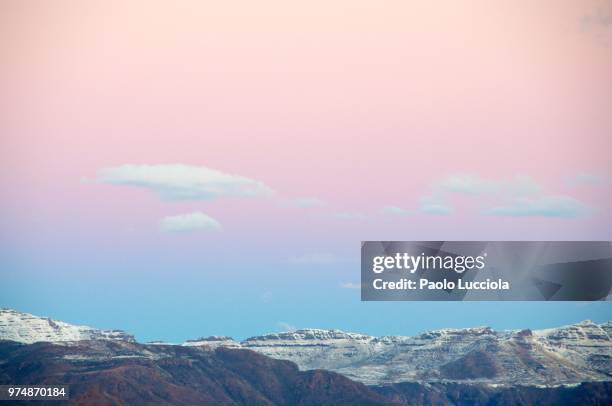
[309, 334]
[557, 356]
[27, 328]
[563, 355]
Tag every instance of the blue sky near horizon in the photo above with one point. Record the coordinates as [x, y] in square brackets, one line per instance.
[158, 304]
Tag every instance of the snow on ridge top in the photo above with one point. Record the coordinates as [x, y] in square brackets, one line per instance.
[27, 328]
[334, 334]
[446, 332]
[581, 325]
[211, 338]
[212, 342]
[577, 334]
[460, 331]
[309, 334]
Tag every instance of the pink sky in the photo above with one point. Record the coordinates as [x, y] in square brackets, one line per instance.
[361, 104]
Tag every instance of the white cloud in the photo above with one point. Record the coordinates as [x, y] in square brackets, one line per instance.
[434, 205]
[464, 183]
[396, 211]
[516, 196]
[547, 206]
[350, 285]
[196, 221]
[470, 184]
[183, 182]
[306, 202]
[315, 258]
[438, 202]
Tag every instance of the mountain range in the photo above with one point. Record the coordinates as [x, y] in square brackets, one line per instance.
[565, 365]
[565, 355]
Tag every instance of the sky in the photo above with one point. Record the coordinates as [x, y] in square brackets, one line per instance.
[183, 169]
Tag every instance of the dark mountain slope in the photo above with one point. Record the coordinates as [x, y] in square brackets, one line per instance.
[116, 373]
[108, 372]
[409, 393]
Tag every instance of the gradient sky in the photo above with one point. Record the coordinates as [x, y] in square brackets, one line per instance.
[190, 168]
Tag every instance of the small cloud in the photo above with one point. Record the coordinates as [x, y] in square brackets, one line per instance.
[396, 211]
[587, 179]
[286, 327]
[548, 206]
[196, 221]
[464, 183]
[350, 285]
[436, 206]
[521, 196]
[316, 258]
[471, 184]
[183, 182]
[307, 202]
